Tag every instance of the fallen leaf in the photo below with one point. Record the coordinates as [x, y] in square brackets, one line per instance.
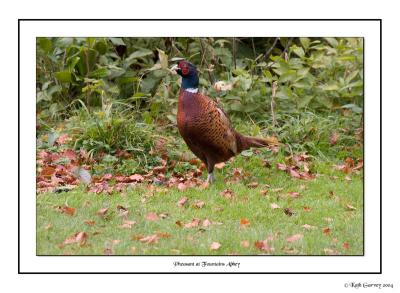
[307, 209]
[89, 222]
[163, 235]
[289, 212]
[151, 239]
[275, 206]
[199, 204]
[127, 224]
[192, 224]
[329, 251]
[307, 227]
[252, 185]
[244, 223]
[163, 215]
[215, 246]
[204, 185]
[102, 212]
[281, 166]
[108, 251]
[294, 194]
[136, 178]
[206, 223]
[219, 166]
[294, 238]
[48, 226]
[152, 217]
[182, 186]
[294, 173]
[290, 250]
[277, 189]
[227, 193]
[79, 238]
[347, 177]
[182, 201]
[245, 243]
[350, 207]
[66, 210]
[263, 245]
[345, 245]
[179, 223]
[333, 138]
[327, 231]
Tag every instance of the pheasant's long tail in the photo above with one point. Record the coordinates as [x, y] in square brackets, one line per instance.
[246, 142]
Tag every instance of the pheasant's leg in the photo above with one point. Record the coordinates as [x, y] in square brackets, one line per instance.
[210, 169]
[210, 178]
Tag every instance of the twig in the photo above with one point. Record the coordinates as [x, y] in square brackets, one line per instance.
[234, 51]
[212, 79]
[254, 48]
[283, 52]
[266, 55]
[274, 89]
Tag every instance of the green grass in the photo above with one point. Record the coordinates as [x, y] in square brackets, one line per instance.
[327, 210]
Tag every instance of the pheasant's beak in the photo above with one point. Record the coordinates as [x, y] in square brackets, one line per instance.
[174, 69]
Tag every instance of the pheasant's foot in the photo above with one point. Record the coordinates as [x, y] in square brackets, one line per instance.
[210, 178]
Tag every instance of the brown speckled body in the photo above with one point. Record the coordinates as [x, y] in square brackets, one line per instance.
[207, 130]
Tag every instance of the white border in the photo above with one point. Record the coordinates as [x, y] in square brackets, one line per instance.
[30, 30]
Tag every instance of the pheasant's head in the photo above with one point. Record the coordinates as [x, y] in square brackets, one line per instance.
[190, 78]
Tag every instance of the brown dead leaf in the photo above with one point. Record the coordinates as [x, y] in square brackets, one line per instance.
[151, 239]
[127, 224]
[263, 245]
[102, 212]
[219, 166]
[346, 245]
[307, 227]
[89, 222]
[245, 243]
[163, 235]
[244, 223]
[79, 238]
[349, 207]
[48, 226]
[327, 231]
[275, 206]
[194, 223]
[182, 186]
[215, 246]
[199, 204]
[289, 212]
[307, 209]
[294, 194]
[47, 171]
[179, 223]
[333, 138]
[152, 217]
[294, 173]
[227, 193]
[294, 238]
[182, 201]
[66, 210]
[277, 189]
[206, 223]
[329, 251]
[252, 185]
[136, 178]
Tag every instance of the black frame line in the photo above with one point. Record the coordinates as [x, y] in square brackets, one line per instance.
[222, 20]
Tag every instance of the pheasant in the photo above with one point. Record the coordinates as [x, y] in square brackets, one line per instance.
[204, 125]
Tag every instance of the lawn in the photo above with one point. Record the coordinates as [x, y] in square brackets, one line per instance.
[264, 211]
